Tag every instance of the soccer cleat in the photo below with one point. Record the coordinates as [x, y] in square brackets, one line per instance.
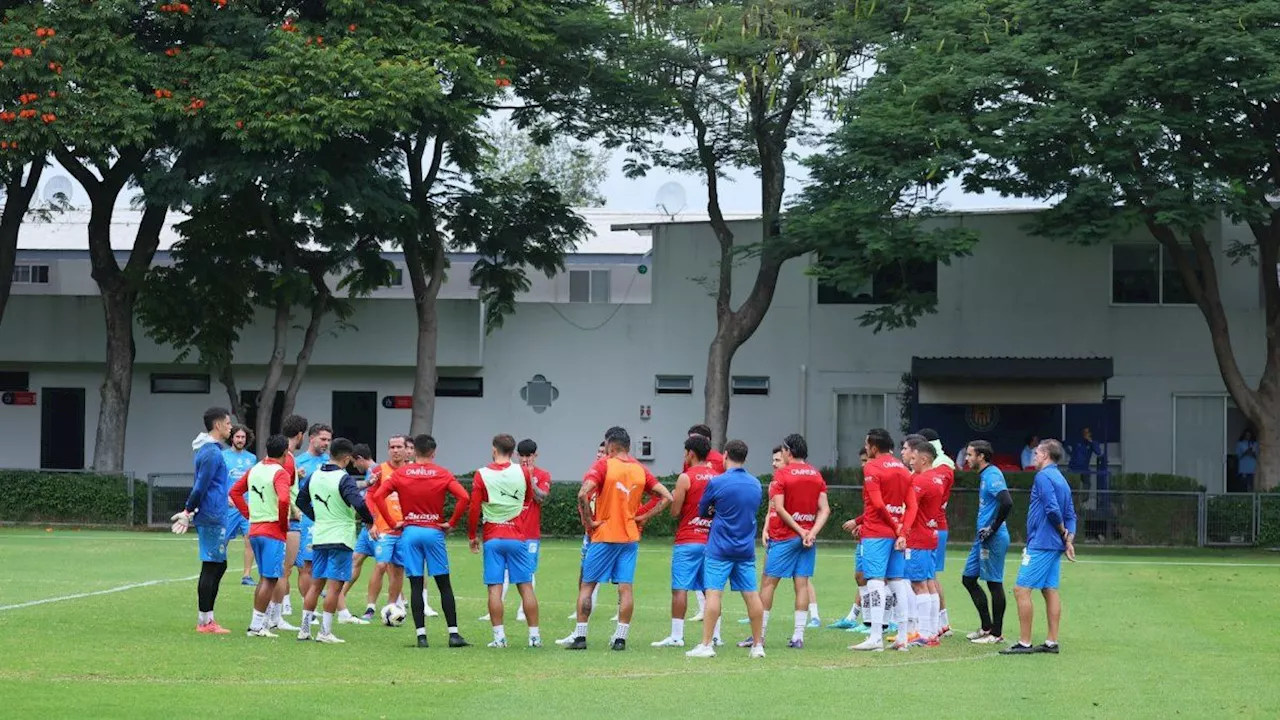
[248, 581]
[212, 628]
[457, 641]
[614, 618]
[717, 642]
[315, 621]
[977, 635]
[286, 608]
[578, 643]
[286, 626]
[868, 645]
[484, 617]
[844, 624]
[1018, 649]
[619, 644]
[696, 618]
[304, 634]
[353, 620]
[701, 651]
[796, 644]
[431, 613]
[567, 640]
[329, 639]
[747, 643]
[925, 642]
[901, 647]
[757, 651]
[573, 616]
[422, 641]
[1047, 648]
[498, 643]
[369, 614]
[520, 617]
[860, 628]
[989, 640]
[945, 631]
[815, 622]
[535, 642]
[261, 632]
[667, 642]
[744, 621]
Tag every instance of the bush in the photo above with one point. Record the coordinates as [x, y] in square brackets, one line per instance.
[33, 496]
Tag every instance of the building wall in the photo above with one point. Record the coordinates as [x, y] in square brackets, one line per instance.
[1016, 296]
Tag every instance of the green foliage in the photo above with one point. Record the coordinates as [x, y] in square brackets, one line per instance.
[573, 168]
[33, 496]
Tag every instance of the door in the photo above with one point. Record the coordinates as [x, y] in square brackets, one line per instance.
[62, 428]
[856, 413]
[250, 419]
[355, 416]
[1199, 439]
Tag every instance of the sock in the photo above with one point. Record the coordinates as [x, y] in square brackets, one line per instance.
[580, 631]
[802, 619]
[874, 607]
[286, 607]
[273, 614]
[259, 619]
[764, 625]
[371, 608]
[1051, 643]
[499, 633]
[943, 620]
[901, 590]
[422, 632]
[326, 623]
[862, 604]
[344, 613]
[400, 600]
[853, 612]
[932, 615]
[621, 632]
[203, 617]
[702, 601]
[453, 629]
[534, 633]
[913, 612]
[715, 634]
[813, 610]
[306, 619]
[677, 628]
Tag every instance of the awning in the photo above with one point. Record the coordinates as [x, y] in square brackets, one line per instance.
[1010, 380]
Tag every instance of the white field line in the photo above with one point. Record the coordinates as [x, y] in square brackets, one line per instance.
[77, 596]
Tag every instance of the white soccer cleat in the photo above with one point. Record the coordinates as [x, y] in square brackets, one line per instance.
[315, 621]
[757, 651]
[520, 617]
[304, 634]
[261, 632]
[696, 618]
[535, 642]
[431, 613]
[329, 639]
[717, 642]
[497, 644]
[572, 616]
[614, 618]
[977, 635]
[286, 608]
[869, 645]
[569, 639]
[484, 617]
[699, 651]
[988, 639]
[286, 626]
[669, 642]
[902, 646]
[353, 620]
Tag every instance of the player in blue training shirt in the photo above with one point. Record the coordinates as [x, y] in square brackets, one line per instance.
[986, 559]
[239, 461]
[1051, 531]
[731, 501]
[206, 508]
[308, 461]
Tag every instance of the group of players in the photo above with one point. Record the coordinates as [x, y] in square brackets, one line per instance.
[303, 509]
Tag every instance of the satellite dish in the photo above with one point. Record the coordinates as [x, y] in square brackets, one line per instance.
[57, 185]
[670, 199]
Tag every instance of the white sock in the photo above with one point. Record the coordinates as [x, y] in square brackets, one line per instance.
[702, 601]
[913, 611]
[764, 625]
[873, 607]
[621, 632]
[802, 619]
[924, 614]
[287, 606]
[306, 619]
[943, 621]
[934, 627]
[344, 613]
[581, 631]
[453, 629]
[326, 623]
[677, 628]
[813, 610]
[499, 633]
[259, 619]
[400, 600]
[901, 590]
[273, 613]
[853, 612]
[422, 632]
[715, 634]
[534, 632]
[202, 618]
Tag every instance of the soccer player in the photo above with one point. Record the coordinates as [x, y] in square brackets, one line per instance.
[928, 483]
[316, 455]
[691, 535]
[890, 510]
[364, 463]
[399, 599]
[932, 436]
[332, 501]
[798, 495]
[261, 496]
[1051, 533]
[206, 508]
[986, 558]
[730, 556]
[386, 538]
[499, 494]
[531, 517]
[424, 487]
[294, 428]
[717, 464]
[947, 468]
[238, 461]
[617, 482]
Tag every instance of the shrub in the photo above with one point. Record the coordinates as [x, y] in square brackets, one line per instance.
[34, 496]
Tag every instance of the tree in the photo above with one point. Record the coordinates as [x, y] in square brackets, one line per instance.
[574, 168]
[743, 80]
[1124, 114]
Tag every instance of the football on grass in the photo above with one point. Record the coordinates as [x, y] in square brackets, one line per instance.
[392, 615]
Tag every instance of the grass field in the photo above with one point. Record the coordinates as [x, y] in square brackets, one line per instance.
[1145, 634]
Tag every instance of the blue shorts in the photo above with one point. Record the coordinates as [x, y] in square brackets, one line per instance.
[506, 557]
[1040, 569]
[422, 552]
[534, 554]
[586, 541]
[740, 574]
[857, 558]
[919, 565]
[365, 545]
[213, 542]
[331, 564]
[940, 555]
[610, 562]
[386, 549]
[268, 553]
[790, 558]
[686, 566]
[237, 525]
[305, 553]
[880, 561]
[986, 560]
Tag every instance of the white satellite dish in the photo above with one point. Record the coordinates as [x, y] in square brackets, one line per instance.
[670, 199]
[57, 185]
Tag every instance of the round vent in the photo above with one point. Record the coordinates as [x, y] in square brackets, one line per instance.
[58, 185]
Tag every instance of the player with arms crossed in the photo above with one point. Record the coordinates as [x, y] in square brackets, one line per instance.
[206, 508]
[734, 498]
[238, 461]
[691, 535]
[986, 559]
[928, 483]
[890, 510]
[424, 487]
[261, 496]
[617, 482]
[1051, 533]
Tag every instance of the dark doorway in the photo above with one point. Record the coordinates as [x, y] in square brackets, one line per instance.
[250, 419]
[355, 416]
[62, 428]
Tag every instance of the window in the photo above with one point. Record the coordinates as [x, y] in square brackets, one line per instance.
[397, 278]
[179, 384]
[460, 387]
[750, 385]
[673, 384]
[915, 276]
[31, 274]
[589, 286]
[1146, 275]
[15, 380]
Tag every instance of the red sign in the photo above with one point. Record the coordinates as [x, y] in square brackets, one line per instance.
[18, 397]
[398, 402]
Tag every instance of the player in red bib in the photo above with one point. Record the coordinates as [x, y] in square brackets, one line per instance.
[692, 531]
[928, 483]
[714, 458]
[531, 518]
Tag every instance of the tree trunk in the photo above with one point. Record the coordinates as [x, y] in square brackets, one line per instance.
[424, 254]
[271, 383]
[318, 306]
[227, 377]
[716, 394]
[18, 196]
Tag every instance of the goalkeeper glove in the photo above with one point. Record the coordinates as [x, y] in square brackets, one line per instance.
[181, 522]
[983, 534]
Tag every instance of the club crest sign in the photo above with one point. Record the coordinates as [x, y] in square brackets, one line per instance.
[982, 418]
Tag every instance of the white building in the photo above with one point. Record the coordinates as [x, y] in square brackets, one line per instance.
[627, 328]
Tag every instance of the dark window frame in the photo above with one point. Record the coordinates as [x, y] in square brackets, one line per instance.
[161, 377]
[460, 387]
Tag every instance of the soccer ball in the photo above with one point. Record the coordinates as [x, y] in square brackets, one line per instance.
[393, 615]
